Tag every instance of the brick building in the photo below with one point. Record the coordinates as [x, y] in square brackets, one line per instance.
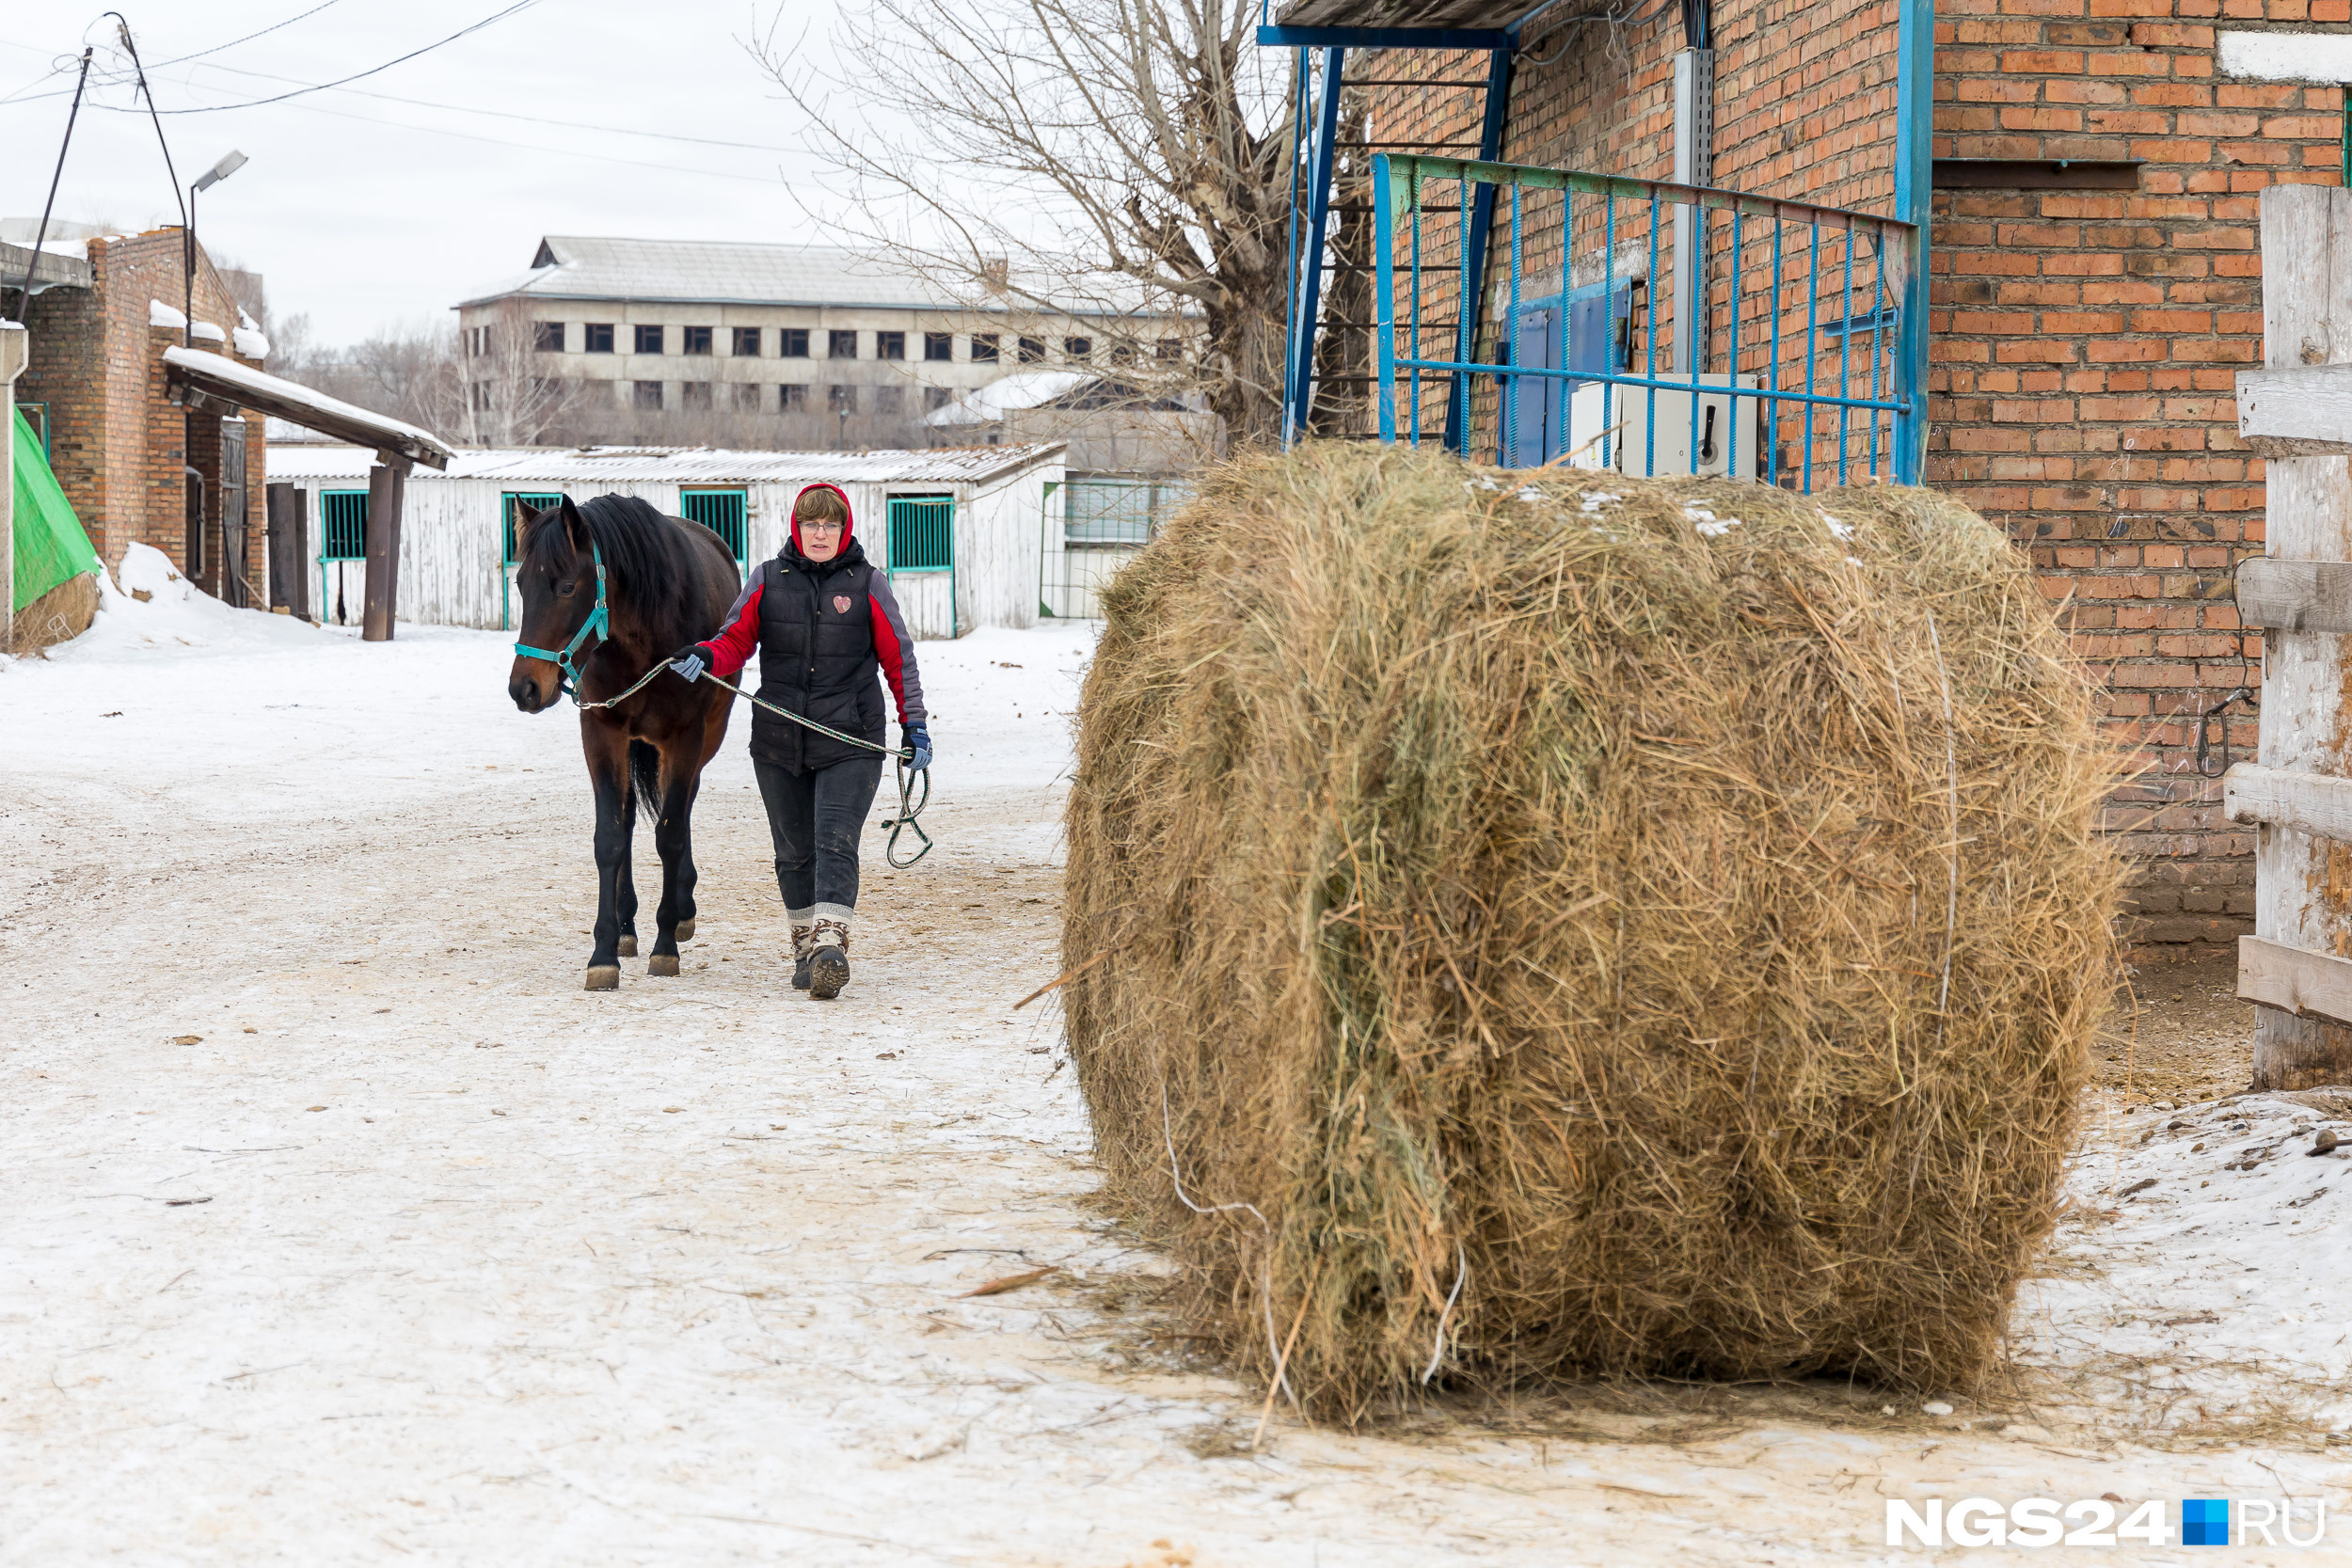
[134, 460]
[2095, 286]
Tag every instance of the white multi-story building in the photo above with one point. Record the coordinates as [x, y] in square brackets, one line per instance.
[724, 328]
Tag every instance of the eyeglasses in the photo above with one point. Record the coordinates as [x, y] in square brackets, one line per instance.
[810, 525]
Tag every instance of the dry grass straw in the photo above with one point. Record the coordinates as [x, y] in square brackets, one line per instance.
[1551, 929]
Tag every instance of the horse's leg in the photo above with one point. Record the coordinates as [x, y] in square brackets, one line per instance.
[673, 838]
[626, 893]
[607, 747]
[701, 750]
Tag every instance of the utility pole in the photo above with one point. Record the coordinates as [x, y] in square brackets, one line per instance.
[13, 346]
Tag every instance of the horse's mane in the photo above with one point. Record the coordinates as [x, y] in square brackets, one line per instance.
[648, 564]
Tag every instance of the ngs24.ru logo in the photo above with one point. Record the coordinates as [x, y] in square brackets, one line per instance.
[2105, 1522]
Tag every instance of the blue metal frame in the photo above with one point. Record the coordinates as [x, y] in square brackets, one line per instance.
[1915, 126]
[1307, 265]
[1891, 244]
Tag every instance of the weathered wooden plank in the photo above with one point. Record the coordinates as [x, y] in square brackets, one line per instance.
[2294, 979]
[2308, 802]
[2307, 321]
[2295, 595]
[2302, 411]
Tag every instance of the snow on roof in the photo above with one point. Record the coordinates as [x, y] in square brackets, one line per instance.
[1007, 394]
[288, 398]
[208, 332]
[252, 343]
[588, 465]
[725, 272]
[160, 314]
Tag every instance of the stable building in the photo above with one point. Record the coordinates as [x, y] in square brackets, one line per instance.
[964, 534]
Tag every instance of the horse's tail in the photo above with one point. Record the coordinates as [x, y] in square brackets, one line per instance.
[645, 767]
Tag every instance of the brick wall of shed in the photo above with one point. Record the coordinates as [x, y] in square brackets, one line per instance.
[2083, 344]
[117, 444]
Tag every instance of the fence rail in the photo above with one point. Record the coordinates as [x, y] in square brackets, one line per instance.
[1763, 381]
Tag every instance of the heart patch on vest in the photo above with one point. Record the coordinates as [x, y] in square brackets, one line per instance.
[841, 604]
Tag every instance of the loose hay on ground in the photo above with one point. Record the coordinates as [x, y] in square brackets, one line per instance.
[1556, 923]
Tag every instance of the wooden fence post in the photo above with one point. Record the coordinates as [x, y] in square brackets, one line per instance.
[2298, 963]
[386, 481]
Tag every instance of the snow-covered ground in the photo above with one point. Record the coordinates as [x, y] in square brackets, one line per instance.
[340, 1224]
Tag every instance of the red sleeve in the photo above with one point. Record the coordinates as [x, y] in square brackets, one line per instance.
[890, 650]
[732, 648]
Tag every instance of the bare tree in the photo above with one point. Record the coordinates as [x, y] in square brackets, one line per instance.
[1129, 155]
[505, 401]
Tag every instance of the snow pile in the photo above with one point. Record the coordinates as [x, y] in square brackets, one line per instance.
[2180, 1282]
[208, 332]
[155, 606]
[252, 344]
[160, 314]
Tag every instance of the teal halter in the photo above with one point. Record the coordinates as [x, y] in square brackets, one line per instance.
[600, 621]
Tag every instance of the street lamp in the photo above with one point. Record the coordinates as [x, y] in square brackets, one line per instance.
[210, 178]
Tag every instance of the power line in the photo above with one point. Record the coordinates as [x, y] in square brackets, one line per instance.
[322, 87]
[248, 37]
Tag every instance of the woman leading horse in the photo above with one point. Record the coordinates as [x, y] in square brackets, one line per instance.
[606, 588]
[823, 622]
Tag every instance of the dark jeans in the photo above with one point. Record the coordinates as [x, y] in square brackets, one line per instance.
[815, 818]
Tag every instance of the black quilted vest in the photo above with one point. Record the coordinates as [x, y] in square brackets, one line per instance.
[817, 658]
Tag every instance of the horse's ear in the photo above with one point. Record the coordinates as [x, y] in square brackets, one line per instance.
[575, 531]
[524, 516]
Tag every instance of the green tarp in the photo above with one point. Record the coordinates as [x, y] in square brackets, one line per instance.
[49, 544]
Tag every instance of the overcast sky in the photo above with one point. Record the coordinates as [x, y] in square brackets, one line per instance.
[385, 202]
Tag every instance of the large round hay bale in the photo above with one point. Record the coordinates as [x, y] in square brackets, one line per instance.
[1541, 924]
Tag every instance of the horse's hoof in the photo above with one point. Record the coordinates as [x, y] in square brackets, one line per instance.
[628, 947]
[661, 963]
[604, 977]
[686, 929]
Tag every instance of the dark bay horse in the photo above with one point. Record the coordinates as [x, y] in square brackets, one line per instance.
[609, 589]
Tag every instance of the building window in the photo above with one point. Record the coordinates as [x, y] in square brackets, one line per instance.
[547, 337]
[939, 347]
[890, 345]
[647, 394]
[841, 400]
[793, 343]
[793, 399]
[984, 349]
[842, 345]
[935, 397]
[694, 396]
[600, 336]
[649, 340]
[343, 525]
[922, 533]
[890, 400]
[1032, 351]
[1077, 348]
[1170, 348]
[723, 513]
[479, 396]
[1122, 353]
[746, 399]
[697, 339]
[747, 343]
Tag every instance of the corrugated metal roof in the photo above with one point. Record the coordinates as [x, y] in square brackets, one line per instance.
[727, 271]
[683, 465]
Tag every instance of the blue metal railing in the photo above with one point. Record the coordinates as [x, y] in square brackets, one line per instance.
[1775, 324]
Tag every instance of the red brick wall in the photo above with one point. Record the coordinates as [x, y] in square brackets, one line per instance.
[2084, 347]
[117, 443]
[2083, 344]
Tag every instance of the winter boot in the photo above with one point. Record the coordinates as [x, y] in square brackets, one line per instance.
[828, 960]
[803, 943]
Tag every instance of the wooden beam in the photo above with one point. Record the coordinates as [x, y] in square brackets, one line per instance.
[2308, 802]
[2295, 595]
[2300, 411]
[386, 483]
[2294, 980]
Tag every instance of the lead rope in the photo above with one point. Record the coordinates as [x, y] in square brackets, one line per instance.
[907, 814]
